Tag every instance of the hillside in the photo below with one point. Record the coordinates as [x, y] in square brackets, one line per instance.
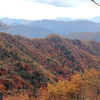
[66, 27]
[43, 28]
[30, 32]
[28, 64]
[84, 35]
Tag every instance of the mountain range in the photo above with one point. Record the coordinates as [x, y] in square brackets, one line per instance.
[30, 32]
[84, 35]
[94, 19]
[67, 27]
[11, 21]
[28, 64]
[43, 28]
[24, 21]
[76, 29]
[32, 59]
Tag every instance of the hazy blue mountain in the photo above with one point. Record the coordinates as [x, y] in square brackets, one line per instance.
[42, 28]
[68, 26]
[94, 19]
[84, 35]
[25, 22]
[15, 21]
[64, 19]
[30, 32]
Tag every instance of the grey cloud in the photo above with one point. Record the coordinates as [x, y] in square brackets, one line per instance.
[62, 3]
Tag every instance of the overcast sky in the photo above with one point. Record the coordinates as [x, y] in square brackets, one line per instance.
[48, 9]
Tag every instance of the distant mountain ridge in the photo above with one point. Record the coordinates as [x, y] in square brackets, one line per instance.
[43, 28]
[30, 32]
[94, 19]
[46, 27]
[11, 21]
[67, 27]
[25, 21]
[84, 35]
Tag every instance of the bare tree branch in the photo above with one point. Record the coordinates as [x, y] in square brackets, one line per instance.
[95, 3]
[3, 26]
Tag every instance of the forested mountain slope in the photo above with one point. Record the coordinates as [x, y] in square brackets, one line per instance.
[28, 64]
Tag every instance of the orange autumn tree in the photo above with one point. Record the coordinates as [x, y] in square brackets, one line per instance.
[92, 84]
[2, 90]
[18, 96]
[62, 90]
[81, 87]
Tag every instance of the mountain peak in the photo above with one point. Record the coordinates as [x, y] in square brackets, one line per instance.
[53, 35]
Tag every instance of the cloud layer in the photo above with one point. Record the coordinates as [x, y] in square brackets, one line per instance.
[62, 3]
[51, 9]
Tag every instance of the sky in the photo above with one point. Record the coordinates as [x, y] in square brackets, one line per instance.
[48, 9]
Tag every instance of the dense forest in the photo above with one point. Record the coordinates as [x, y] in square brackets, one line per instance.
[50, 68]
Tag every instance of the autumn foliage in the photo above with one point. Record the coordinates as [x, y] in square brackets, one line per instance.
[81, 87]
[51, 68]
[17, 97]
